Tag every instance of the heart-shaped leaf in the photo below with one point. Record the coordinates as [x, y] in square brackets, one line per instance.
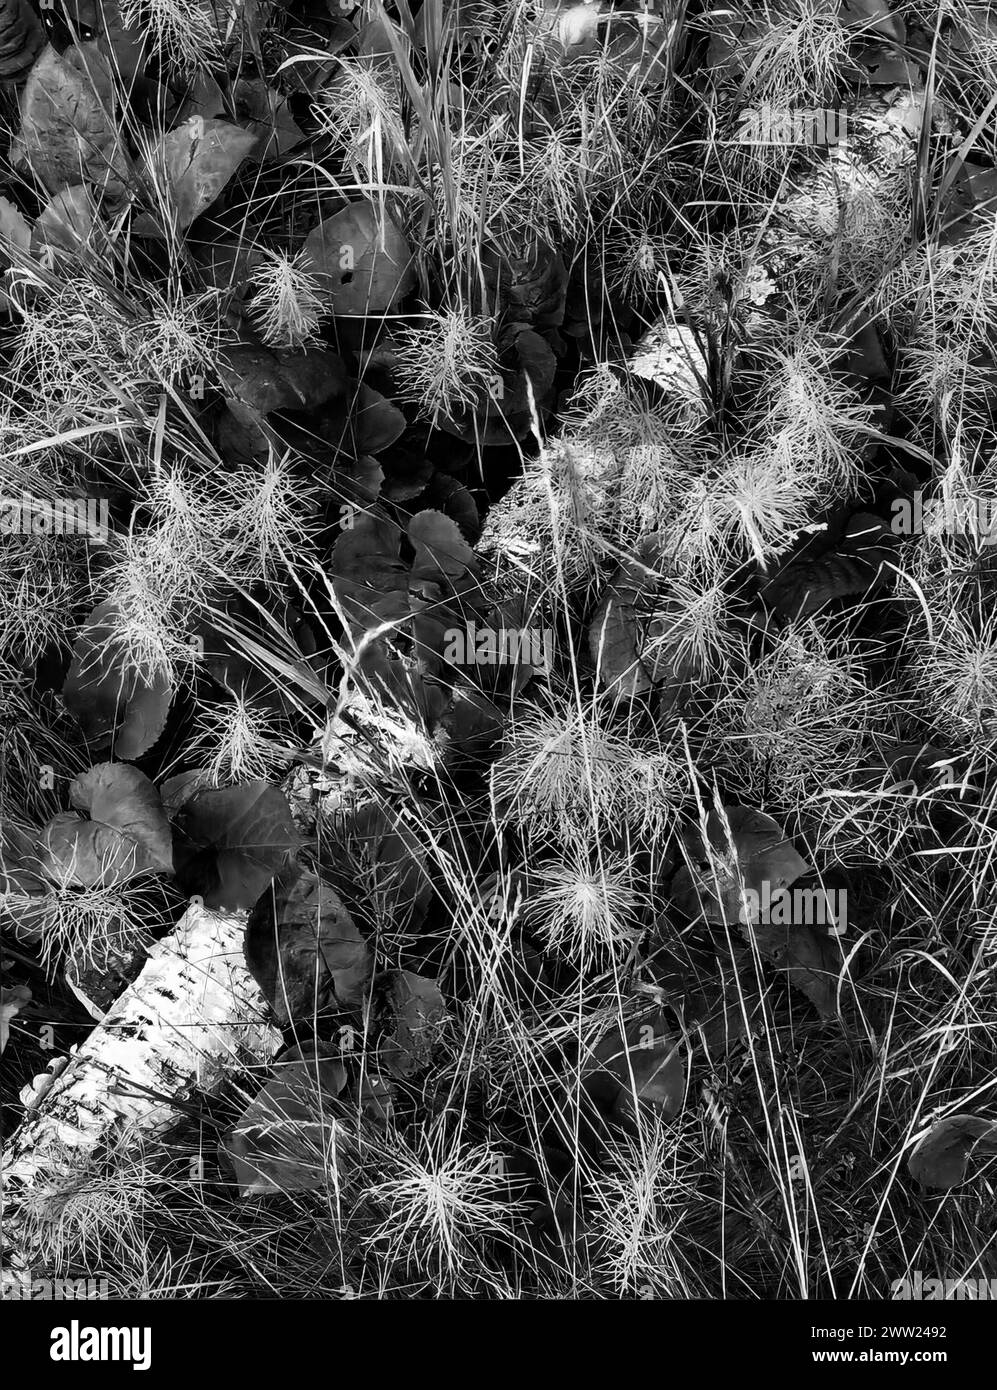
[941, 1158]
[124, 798]
[108, 694]
[231, 841]
[127, 833]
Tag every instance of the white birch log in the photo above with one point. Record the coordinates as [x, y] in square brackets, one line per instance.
[193, 1012]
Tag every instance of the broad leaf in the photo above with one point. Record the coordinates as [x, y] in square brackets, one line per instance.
[66, 222]
[127, 833]
[755, 853]
[230, 842]
[124, 798]
[363, 263]
[636, 1069]
[286, 1140]
[262, 380]
[192, 164]
[303, 948]
[854, 568]
[68, 127]
[941, 1158]
[616, 638]
[12, 1001]
[377, 423]
[811, 959]
[109, 695]
[417, 1005]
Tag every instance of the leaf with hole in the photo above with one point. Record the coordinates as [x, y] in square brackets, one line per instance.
[361, 260]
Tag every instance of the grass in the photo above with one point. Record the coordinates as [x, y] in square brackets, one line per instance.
[603, 179]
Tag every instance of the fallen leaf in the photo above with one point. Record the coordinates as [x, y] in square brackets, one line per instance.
[110, 697]
[125, 798]
[757, 852]
[286, 1140]
[941, 1158]
[363, 263]
[418, 1009]
[127, 832]
[231, 841]
[811, 960]
[66, 222]
[192, 165]
[303, 947]
[68, 128]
